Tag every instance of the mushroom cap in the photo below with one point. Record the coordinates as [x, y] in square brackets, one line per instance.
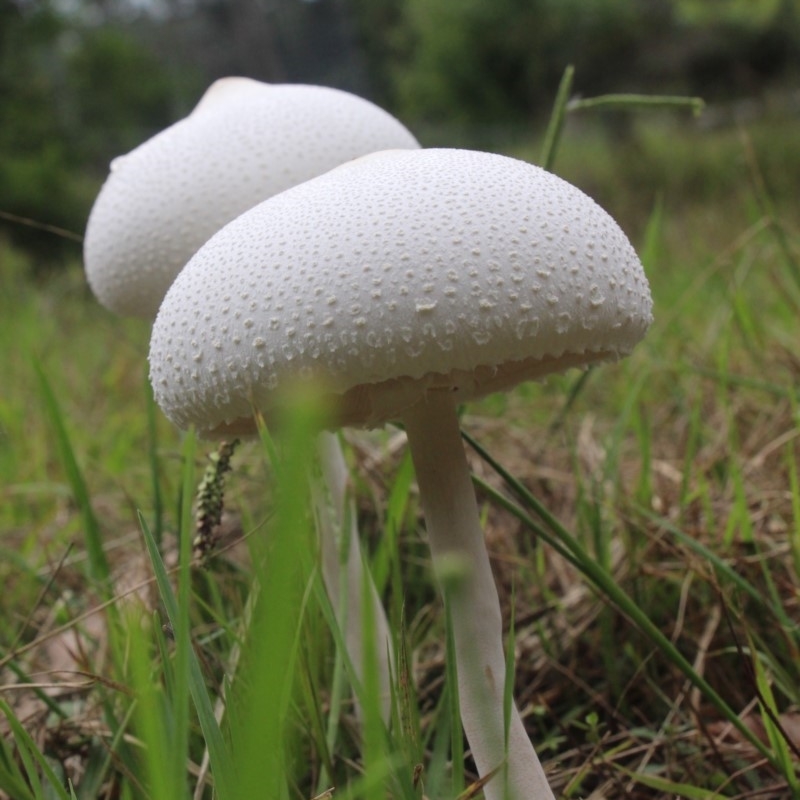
[244, 142]
[392, 275]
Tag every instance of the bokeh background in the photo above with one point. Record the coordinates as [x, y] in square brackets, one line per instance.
[84, 80]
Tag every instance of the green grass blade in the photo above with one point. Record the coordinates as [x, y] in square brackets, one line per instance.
[24, 749]
[374, 748]
[98, 564]
[152, 456]
[181, 624]
[572, 394]
[453, 706]
[652, 246]
[32, 758]
[116, 752]
[153, 721]
[262, 737]
[513, 508]
[323, 736]
[555, 126]
[670, 788]
[439, 766]
[777, 737]
[12, 781]
[638, 101]
[406, 700]
[386, 564]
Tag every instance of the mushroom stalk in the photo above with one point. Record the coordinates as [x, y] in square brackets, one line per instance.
[457, 542]
[343, 570]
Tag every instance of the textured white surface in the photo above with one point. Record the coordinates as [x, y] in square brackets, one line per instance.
[391, 274]
[244, 142]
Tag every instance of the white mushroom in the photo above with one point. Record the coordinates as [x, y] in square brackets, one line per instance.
[244, 142]
[405, 283]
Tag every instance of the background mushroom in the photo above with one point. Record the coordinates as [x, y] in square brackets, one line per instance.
[405, 283]
[244, 142]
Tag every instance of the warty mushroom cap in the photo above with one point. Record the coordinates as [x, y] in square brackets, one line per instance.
[244, 142]
[392, 275]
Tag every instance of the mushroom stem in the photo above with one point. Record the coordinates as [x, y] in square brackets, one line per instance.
[343, 571]
[459, 552]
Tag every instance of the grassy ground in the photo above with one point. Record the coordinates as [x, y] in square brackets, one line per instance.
[655, 616]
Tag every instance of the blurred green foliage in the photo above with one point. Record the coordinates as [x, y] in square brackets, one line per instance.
[72, 96]
[480, 61]
[84, 81]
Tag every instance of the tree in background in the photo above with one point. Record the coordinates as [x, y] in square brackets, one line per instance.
[73, 94]
[742, 48]
[479, 61]
[484, 61]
